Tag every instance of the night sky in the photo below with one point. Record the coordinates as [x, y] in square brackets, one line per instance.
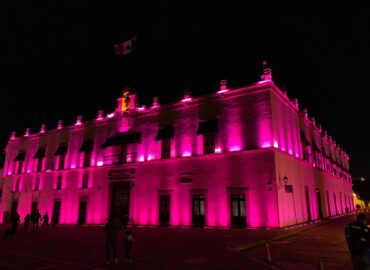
[57, 61]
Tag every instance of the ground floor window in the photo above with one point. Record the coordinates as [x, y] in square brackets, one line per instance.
[238, 216]
[198, 209]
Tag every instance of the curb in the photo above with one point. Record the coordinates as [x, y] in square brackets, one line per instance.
[288, 234]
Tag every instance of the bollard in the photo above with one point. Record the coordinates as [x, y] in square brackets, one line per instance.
[321, 265]
[268, 252]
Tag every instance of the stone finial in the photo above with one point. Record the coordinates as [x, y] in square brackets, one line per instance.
[187, 97]
[267, 73]
[223, 85]
[295, 101]
[305, 111]
[313, 121]
[100, 114]
[60, 124]
[79, 120]
[13, 135]
[43, 128]
[155, 102]
[27, 132]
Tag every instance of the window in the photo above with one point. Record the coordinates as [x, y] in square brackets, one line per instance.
[59, 182]
[86, 148]
[17, 184]
[62, 159]
[20, 166]
[209, 141]
[85, 181]
[39, 164]
[37, 183]
[87, 157]
[39, 156]
[198, 209]
[165, 134]
[61, 152]
[19, 160]
[238, 213]
[208, 129]
[166, 149]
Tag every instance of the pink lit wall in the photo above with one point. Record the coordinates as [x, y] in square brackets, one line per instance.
[302, 176]
[216, 177]
[285, 124]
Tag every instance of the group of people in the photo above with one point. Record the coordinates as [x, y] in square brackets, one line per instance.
[35, 218]
[112, 229]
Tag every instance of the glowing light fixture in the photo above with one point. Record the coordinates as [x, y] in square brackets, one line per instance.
[100, 163]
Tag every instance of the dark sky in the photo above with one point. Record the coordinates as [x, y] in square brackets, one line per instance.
[57, 61]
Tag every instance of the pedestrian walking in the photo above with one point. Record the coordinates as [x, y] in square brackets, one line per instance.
[112, 228]
[26, 223]
[36, 219]
[357, 237]
[15, 220]
[127, 243]
[45, 220]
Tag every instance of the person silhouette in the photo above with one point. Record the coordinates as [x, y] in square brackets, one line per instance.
[112, 228]
[35, 219]
[127, 243]
[45, 220]
[27, 220]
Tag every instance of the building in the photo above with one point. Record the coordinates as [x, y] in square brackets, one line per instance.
[237, 157]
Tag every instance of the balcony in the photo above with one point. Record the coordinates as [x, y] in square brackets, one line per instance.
[120, 159]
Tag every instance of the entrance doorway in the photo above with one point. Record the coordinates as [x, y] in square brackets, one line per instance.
[238, 216]
[164, 210]
[120, 204]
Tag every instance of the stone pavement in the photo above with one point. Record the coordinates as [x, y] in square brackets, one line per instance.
[82, 247]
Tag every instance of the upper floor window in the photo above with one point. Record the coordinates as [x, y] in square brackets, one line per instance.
[19, 160]
[208, 129]
[61, 153]
[86, 148]
[39, 156]
[166, 149]
[119, 144]
[165, 135]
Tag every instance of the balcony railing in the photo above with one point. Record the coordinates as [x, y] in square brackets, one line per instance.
[120, 159]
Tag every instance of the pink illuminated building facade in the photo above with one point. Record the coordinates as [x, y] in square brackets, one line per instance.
[243, 157]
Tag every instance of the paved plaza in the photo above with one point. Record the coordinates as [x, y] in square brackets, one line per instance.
[82, 247]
